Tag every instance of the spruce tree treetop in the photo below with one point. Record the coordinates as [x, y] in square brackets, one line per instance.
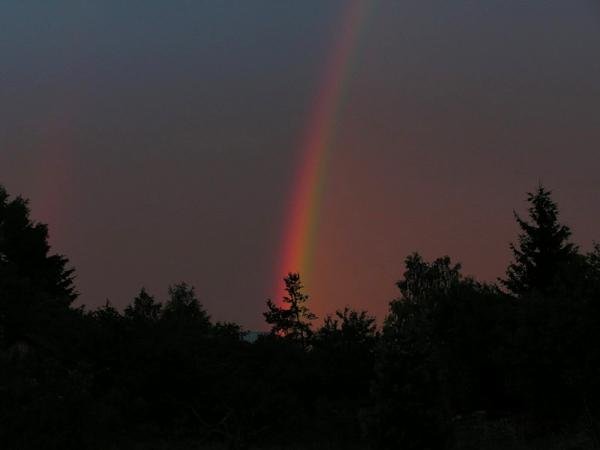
[543, 249]
[24, 254]
[36, 287]
[293, 320]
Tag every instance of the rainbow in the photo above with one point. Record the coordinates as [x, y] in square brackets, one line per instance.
[52, 174]
[300, 224]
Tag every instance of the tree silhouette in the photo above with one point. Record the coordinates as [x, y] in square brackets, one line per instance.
[35, 286]
[293, 319]
[183, 307]
[410, 408]
[344, 349]
[422, 279]
[24, 251]
[349, 328]
[144, 308]
[593, 258]
[543, 249]
[451, 349]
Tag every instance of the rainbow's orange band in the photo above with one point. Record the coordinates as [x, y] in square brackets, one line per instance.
[301, 219]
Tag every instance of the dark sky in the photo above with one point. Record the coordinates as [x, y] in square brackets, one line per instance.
[158, 138]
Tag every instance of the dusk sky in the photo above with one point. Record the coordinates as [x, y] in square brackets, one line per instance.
[162, 140]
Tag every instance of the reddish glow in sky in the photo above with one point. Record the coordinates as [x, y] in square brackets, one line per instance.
[160, 140]
[301, 225]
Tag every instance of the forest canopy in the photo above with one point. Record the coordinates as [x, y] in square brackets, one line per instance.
[458, 363]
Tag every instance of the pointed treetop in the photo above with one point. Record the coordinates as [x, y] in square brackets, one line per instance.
[543, 247]
[293, 319]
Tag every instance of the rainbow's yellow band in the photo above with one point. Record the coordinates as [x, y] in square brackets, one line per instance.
[301, 222]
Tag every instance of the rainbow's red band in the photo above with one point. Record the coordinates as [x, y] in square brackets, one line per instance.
[52, 173]
[301, 219]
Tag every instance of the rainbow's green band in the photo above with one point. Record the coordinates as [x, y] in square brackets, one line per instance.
[299, 239]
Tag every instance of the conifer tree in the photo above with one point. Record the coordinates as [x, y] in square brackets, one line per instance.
[36, 287]
[25, 252]
[543, 249]
[293, 319]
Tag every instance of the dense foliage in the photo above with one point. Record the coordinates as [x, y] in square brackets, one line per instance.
[457, 363]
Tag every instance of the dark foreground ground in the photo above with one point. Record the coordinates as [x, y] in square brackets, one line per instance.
[552, 442]
[489, 435]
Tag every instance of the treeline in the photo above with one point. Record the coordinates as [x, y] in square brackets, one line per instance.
[457, 364]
